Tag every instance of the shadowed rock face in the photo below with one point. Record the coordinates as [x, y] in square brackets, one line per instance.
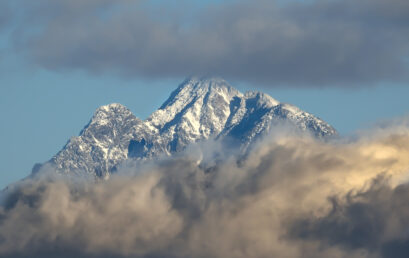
[199, 109]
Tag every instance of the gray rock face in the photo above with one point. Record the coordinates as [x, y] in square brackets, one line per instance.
[199, 109]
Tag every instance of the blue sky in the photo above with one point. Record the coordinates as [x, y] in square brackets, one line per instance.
[45, 99]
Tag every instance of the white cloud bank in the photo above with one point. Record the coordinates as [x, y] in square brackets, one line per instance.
[293, 196]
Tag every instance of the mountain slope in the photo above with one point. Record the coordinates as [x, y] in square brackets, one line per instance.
[199, 109]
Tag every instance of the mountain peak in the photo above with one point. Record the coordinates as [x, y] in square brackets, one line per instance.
[199, 109]
[196, 100]
[202, 79]
[198, 84]
[111, 108]
[105, 113]
[102, 143]
[195, 88]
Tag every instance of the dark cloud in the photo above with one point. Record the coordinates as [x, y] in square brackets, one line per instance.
[373, 220]
[293, 196]
[312, 43]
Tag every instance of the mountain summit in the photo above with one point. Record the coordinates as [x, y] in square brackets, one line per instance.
[199, 109]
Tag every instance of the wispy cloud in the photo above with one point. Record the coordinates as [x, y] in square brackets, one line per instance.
[312, 43]
[293, 196]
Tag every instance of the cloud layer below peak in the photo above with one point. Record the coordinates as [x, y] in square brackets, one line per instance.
[293, 196]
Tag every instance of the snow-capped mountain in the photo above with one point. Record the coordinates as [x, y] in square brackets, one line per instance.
[199, 109]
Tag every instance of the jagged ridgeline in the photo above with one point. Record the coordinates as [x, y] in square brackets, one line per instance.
[199, 109]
